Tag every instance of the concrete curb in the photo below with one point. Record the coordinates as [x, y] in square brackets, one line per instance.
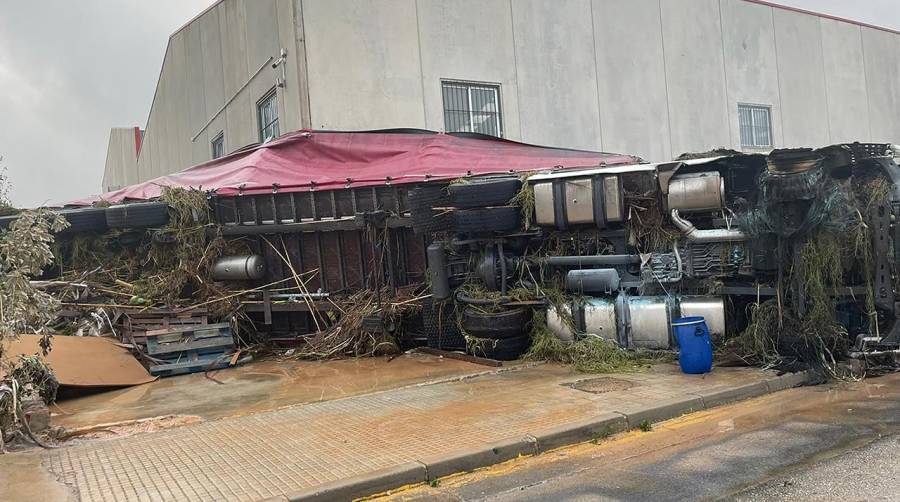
[664, 410]
[362, 485]
[444, 465]
[579, 432]
[718, 397]
[788, 380]
[429, 469]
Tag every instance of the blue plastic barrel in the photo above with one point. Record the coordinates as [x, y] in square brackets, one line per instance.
[695, 354]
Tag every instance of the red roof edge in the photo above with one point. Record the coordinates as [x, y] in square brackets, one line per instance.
[823, 15]
[138, 141]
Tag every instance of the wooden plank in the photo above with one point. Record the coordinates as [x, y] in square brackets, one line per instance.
[188, 329]
[206, 363]
[154, 348]
[190, 355]
[187, 337]
[149, 326]
[162, 319]
[257, 306]
[167, 312]
[267, 307]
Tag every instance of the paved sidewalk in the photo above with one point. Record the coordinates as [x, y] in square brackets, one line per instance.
[406, 434]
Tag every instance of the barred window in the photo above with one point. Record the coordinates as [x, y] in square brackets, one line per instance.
[756, 125]
[471, 107]
[267, 113]
[218, 145]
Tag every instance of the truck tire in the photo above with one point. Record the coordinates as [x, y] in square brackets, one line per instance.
[504, 349]
[138, 215]
[88, 219]
[422, 201]
[507, 324]
[484, 192]
[487, 219]
[6, 221]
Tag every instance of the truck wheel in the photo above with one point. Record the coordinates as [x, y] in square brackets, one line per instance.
[88, 219]
[508, 324]
[484, 192]
[422, 201]
[138, 215]
[505, 349]
[6, 221]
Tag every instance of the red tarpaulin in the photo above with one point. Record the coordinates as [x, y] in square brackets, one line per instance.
[323, 160]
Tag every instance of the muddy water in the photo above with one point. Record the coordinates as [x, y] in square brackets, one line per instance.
[22, 478]
[255, 387]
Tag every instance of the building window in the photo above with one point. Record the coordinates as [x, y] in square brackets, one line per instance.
[472, 107]
[756, 125]
[267, 112]
[218, 145]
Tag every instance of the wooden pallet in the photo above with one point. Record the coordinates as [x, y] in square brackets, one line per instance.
[134, 325]
[190, 349]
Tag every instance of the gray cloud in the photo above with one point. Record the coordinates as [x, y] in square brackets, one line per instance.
[70, 70]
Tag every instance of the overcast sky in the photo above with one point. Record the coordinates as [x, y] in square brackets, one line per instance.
[70, 70]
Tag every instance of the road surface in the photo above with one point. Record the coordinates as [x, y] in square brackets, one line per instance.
[839, 441]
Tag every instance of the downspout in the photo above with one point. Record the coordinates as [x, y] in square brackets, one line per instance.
[714, 235]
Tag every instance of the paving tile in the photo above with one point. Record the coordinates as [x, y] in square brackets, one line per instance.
[282, 451]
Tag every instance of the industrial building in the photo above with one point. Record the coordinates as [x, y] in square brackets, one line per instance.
[653, 78]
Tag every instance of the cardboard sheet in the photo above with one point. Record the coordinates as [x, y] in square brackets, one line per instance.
[85, 361]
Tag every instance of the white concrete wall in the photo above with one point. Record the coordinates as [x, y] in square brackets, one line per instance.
[556, 73]
[482, 50]
[695, 74]
[883, 83]
[121, 159]
[751, 63]
[365, 58]
[801, 79]
[649, 77]
[211, 62]
[845, 81]
[631, 78]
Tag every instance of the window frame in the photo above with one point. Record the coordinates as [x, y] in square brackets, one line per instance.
[754, 128]
[220, 139]
[469, 85]
[270, 95]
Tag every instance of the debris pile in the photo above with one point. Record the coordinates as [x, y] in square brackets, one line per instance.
[809, 215]
[581, 266]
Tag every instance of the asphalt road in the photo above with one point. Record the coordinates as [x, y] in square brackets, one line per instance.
[839, 441]
[868, 473]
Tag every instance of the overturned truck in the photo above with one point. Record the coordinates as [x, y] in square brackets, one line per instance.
[789, 256]
[794, 251]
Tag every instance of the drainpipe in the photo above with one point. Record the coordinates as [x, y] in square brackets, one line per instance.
[715, 235]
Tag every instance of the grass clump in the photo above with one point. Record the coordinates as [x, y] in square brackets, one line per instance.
[588, 354]
[645, 426]
[25, 251]
[600, 435]
[789, 334]
[649, 228]
[181, 265]
[524, 200]
[34, 371]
